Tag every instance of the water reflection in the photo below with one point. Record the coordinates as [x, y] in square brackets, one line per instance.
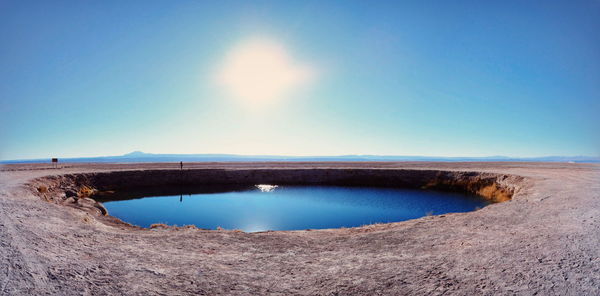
[271, 207]
[266, 187]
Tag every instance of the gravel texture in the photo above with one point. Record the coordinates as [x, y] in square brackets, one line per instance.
[545, 241]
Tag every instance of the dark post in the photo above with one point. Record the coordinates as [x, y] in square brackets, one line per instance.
[181, 164]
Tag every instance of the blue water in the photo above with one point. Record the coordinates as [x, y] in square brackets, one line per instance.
[290, 207]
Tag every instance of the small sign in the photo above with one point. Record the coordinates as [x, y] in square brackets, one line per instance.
[54, 160]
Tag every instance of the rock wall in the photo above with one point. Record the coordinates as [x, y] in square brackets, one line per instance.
[494, 187]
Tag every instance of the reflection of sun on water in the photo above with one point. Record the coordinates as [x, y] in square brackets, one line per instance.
[256, 227]
[261, 70]
[266, 188]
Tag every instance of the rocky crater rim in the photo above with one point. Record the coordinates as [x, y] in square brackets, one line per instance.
[78, 190]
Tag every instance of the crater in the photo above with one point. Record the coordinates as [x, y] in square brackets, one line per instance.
[274, 199]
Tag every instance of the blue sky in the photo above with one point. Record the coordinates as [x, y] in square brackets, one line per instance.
[435, 78]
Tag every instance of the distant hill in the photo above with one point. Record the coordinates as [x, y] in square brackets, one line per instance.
[138, 156]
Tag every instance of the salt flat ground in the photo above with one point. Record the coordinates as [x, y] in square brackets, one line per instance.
[545, 241]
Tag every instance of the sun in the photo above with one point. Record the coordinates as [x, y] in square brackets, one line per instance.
[261, 70]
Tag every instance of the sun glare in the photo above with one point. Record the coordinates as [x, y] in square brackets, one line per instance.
[261, 70]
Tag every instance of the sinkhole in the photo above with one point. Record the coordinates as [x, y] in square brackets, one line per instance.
[262, 207]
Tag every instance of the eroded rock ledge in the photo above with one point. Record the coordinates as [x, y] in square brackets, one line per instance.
[76, 189]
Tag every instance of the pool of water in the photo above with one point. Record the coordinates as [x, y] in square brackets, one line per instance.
[271, 207]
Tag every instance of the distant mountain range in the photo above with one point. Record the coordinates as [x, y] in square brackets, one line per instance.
[138, 156]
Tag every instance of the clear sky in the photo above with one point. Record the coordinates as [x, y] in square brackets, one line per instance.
[435, 78]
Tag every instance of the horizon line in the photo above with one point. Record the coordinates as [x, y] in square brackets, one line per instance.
[141, 154]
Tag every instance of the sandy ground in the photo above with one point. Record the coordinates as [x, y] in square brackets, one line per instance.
[545, 241]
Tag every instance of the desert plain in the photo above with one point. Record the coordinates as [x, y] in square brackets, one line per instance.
[544, 240]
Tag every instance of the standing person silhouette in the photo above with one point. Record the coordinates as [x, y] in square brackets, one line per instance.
[181, 165]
